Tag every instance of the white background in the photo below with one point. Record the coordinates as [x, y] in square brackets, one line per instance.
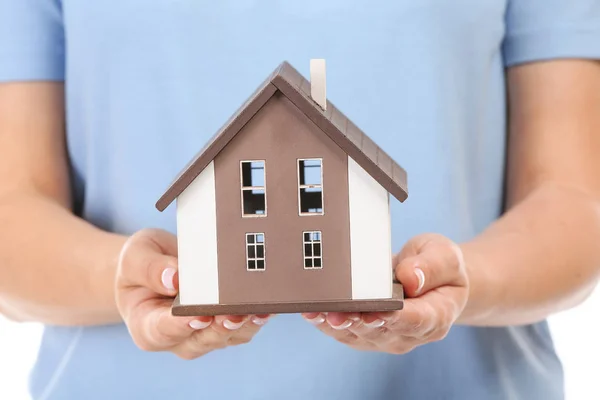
[576, 334]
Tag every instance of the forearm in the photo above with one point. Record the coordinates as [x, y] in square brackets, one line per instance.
[54, 267]
[541, 257]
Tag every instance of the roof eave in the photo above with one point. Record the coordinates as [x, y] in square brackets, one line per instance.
[397, 189]
[225, 135]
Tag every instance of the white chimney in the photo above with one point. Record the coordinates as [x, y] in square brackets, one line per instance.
[318, 85]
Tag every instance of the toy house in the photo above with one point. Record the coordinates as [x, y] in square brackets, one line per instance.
[286, 209]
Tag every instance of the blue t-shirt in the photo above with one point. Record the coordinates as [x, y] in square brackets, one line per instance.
[148, 82]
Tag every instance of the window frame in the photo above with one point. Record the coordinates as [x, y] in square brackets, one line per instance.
[255, 244]
[312, 186]
[312, 248]
[250, 188]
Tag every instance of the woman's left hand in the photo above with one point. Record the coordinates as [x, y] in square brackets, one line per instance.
[432, 270]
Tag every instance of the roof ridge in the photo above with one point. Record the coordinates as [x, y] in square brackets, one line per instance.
[332, 122]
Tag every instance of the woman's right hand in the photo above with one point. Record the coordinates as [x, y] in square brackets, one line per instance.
[146, 284]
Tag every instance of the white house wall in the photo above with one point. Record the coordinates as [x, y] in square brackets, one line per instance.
[197, 241]
[370, 242]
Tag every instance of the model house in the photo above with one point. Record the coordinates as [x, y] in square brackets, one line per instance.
[286, 209]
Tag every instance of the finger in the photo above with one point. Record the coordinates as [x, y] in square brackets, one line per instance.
[227, 324]
[142, 264]
[165, 241]
[207, 340]
[370, 324]
[415, 245]
[374, 328]
[199, 344]
[336, 320]
[340, 321]
[434, 266]
[400, 329]
[375, 334]
[260, 319]
[314, 318]
[334, 329]
[417, 319]
[428, 315]
[232, 330]
[154, 328]
[410, 249]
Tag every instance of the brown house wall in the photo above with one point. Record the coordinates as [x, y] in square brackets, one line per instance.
[280, 134]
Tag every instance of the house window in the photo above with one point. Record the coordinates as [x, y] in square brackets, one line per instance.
[254, 198]
[313, 258]
[255, 251]
[310, 186]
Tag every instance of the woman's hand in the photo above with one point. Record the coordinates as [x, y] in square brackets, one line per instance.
[433, 273]
[146, 284]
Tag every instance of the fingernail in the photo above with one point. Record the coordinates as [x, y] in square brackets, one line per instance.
[260, 321]
[232, 326]
[318, 320]
[378, 323]
[167, 278]
[345, 325]
[197, 324]
[421, 277]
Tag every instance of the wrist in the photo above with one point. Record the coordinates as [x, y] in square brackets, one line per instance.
[483, 287]
[103, 278]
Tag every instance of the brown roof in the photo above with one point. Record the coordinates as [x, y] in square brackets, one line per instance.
[332, 122]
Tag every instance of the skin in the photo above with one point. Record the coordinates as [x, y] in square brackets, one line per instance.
[539, 258]
[145, 290]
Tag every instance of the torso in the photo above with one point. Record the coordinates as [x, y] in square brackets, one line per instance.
[149, 82]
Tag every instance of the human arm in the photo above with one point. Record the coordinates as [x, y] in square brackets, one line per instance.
[59, 269]
[146, 283]
[55, 268]
[540, 257]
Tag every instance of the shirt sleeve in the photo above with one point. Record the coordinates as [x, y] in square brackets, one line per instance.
[31, 40]
[549, 29]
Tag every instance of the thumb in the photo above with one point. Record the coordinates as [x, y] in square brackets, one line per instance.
[433, 266]
[143, 262]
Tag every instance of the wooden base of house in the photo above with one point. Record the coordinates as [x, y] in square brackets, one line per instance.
[378, 305]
